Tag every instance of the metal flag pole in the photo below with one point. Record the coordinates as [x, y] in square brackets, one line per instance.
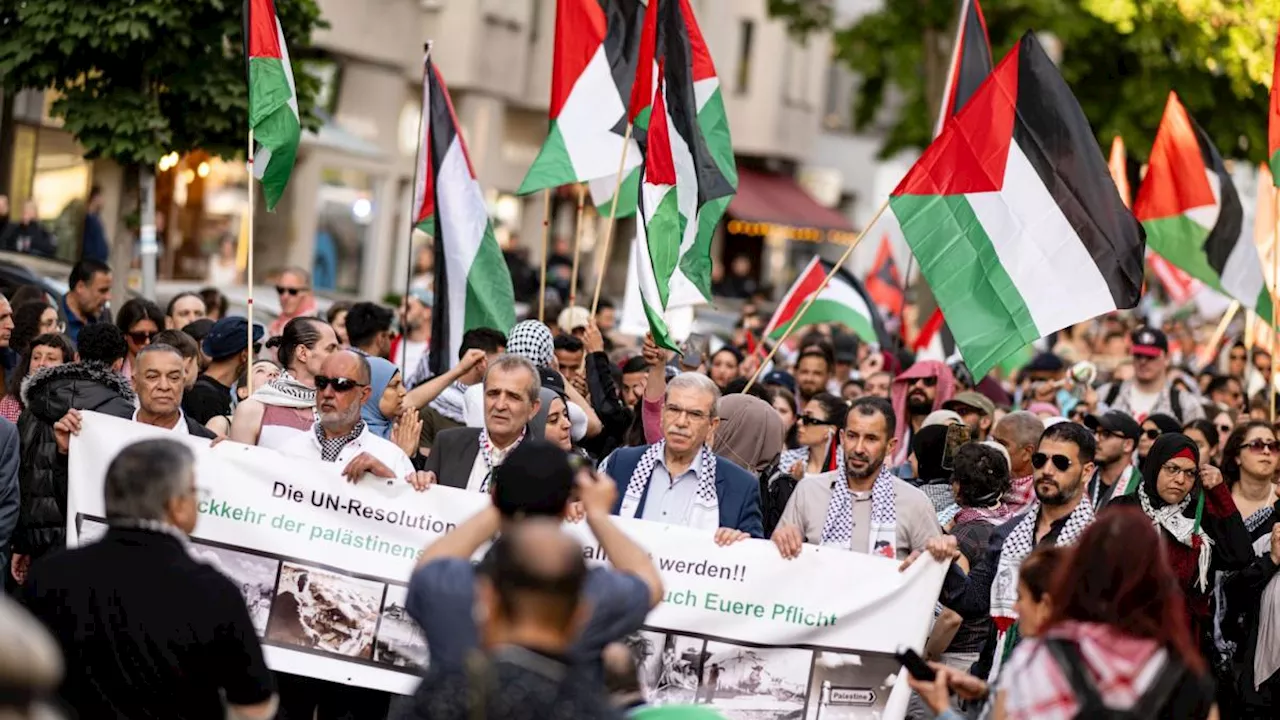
[249, 268]
[408, 272]
[546, 248]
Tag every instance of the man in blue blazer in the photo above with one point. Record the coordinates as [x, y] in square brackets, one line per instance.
[679, 481]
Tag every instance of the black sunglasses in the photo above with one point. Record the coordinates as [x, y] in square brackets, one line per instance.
[1270, 446]
[1152, 433]
[1062, 462]
[928, 381]
[340, 384]
[811, 420]
[141, 337]
[1100, 432]
[289, 291]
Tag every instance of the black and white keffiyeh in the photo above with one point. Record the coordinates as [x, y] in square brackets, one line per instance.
[286, 391]
[330, 448]
[532, 341]
[493, 457]
[705, 513]
[838, 528]
[1019, 544]
[1185, 529]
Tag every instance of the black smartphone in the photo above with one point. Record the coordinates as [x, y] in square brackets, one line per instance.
[915, 665]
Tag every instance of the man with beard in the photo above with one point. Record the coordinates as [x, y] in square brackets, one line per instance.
[1063, 461]
[866, 510]
[1117, 435]
[921, 389]
[976, 410]
[813, 372]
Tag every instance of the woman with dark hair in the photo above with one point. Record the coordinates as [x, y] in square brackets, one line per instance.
[1117, 637]
[277, 412]
[1249, 467]
[1154, 426]
[725, 366]
[1251, 627]
[1201, 528]
[215, 303]
[32, 318]
[1205, 436]
[784, 402]
[337, 317]
[139, 319]
[818, 434]
[47, 350]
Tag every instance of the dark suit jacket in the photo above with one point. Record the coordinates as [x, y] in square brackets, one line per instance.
[737, 492]
[193, 428]
[453, 454]
[10, 497]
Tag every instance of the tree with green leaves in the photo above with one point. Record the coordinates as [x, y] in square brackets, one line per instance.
[137, 79]
[1121, 57]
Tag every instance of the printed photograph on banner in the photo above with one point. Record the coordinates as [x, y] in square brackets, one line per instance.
[670, 665]
[89, 529]
[746, 683]
[850, 687]
[322, 610]
[400, 642]
[254, 575]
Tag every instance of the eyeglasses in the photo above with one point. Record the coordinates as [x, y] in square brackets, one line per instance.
[929, 381]
[1190, 473]
[340, 384]
[811, 420]
[1258, 446]
[141, 337]
[1152, 433]
[290, 291]
[1062, 462]
[1103, 432]
[695, 415]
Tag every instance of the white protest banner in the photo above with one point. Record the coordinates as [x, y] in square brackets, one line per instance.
[753, 634]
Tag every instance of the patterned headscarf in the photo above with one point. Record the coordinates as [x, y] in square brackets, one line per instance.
[532, 341]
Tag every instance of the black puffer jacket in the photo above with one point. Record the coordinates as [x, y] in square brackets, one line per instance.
[46, 398]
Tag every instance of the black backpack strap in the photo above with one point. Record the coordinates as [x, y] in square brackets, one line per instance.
[1161, 689]
[1175, 399]
[1113, 393]
[1068, 657]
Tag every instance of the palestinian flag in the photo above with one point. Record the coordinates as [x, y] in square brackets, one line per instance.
[424, 185]
[970, 61]
[1192, 212]
[883, 282]
[1012, 215]
[273, 100]
[472, 283]
[843, 301]
[689, 173]
[591, 74]
[1273, 119]
[1178, 285]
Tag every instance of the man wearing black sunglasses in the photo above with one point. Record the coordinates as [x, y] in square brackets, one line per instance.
[296, 300]
[1063, 461]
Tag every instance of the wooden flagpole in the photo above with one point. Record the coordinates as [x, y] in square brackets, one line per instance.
[613, 212]
[249, 267]
[577, 246]
[795, 319]
[1210, 350]
[546, 248]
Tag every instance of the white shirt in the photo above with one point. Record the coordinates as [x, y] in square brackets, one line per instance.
[480, 470]
[180, 429]
[411, 352]
[306, 445]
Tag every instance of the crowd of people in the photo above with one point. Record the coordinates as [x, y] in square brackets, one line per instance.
[1108, 512]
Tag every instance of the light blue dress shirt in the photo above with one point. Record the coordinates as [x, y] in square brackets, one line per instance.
[670, 502]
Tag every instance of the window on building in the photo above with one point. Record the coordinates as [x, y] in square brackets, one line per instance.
[746, 36]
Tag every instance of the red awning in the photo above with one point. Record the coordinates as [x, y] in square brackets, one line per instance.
[765, 199]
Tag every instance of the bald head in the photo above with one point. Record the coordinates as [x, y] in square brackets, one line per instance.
[342, 386]
[537, 575]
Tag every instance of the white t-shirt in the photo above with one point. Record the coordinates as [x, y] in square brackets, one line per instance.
[1141, 403]
[179, 429]
[410, 351]
[306, 445]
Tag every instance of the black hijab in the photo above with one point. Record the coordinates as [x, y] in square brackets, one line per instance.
[1166, 447]
[929, 446]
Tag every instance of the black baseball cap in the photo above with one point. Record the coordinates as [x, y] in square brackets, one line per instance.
[198, 329]
[1149, 342]
[229, 336]
[1116, 422]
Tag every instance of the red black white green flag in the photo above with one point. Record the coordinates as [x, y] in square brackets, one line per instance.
[596, 45]
[970, 61]
[472, 283]
[689, 174]
[1273, 119]
[273, 100]
[884, 284]
[1193, 215]
[1014, 218]
[844, 301]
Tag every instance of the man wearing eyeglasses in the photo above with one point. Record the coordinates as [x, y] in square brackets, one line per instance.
[1150, 391]
[296, 299]
[1063, 461]
[340, 436]
[678, 480]
[1117, 435]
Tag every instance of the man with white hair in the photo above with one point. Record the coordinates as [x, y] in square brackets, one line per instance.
[679, 480]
